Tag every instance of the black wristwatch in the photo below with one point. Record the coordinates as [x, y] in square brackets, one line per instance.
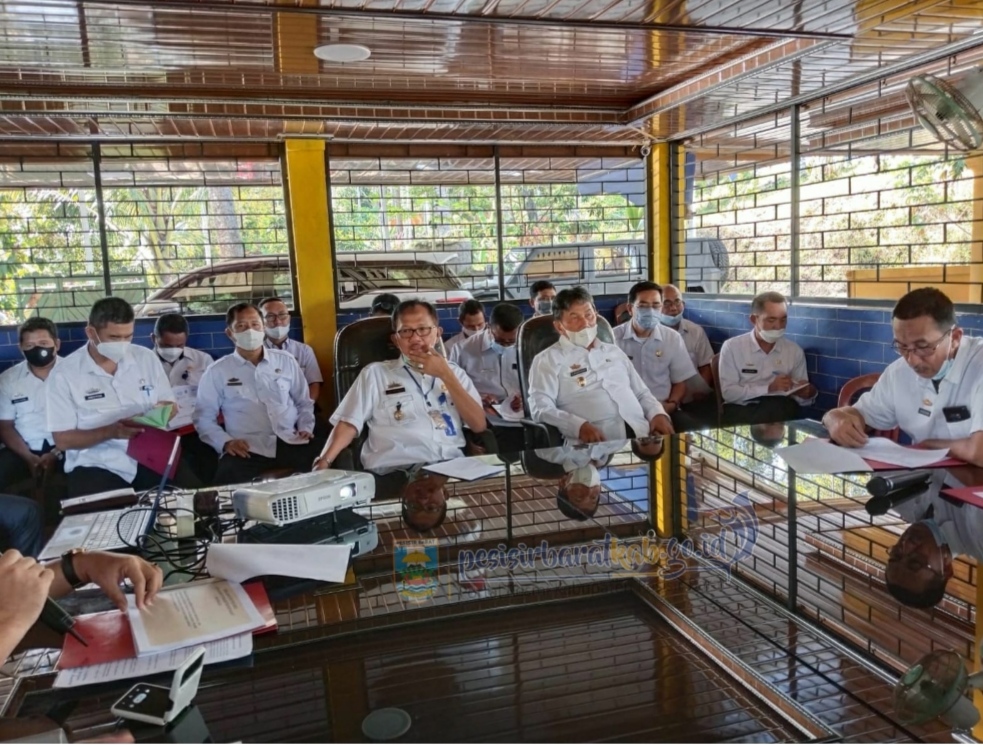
[68, 567]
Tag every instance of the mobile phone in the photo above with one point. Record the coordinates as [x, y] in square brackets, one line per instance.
[159, 705]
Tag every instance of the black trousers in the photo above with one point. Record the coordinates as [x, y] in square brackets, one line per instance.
[695, 416]
[90, 480]
[15, 475]
[234, 470]
[763, 411]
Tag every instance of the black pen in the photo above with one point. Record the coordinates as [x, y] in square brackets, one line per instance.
[58, 619]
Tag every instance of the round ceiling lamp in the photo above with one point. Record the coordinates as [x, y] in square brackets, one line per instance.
[342, 52]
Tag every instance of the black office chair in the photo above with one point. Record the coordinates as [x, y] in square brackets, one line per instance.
[361, 343]
[535, 335]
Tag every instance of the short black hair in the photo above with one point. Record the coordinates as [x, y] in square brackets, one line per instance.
[265, 300]
[568, 297]
[110, 310]
[413, 304]
[385, 303]
[36, 323]
[640, 287]
[763, 298]
[927, 301]
[568, 509]
[469, 308]
[409, 521]
[761, 434]
[235, 310]
[930, 596]
[540, 285]
[506, 317]
[171, 323]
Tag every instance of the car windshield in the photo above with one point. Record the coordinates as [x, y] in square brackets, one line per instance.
[357, 280]
[214, 293]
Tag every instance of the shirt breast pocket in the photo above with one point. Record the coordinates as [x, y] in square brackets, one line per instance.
[397, 411]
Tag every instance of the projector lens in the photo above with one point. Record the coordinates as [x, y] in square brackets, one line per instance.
[347, 492]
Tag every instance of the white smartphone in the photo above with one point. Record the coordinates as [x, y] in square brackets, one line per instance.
[159, 705]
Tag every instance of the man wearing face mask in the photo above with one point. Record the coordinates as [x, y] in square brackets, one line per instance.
[277, 319]
[183, 365]
[933, 392]
[94, 393]
[23, 397]
[415, 407]
[586, 388]
[763, 375]
[471, 316]
[541, 296]
[694, 337]
[264, 399]
[658, 353]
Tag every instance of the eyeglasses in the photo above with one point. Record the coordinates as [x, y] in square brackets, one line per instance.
[423, 331]
[922, 351]
[428, 509]
[274, 317]
[672, 303]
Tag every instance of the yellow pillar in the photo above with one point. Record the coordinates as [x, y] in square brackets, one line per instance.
[975, 295]
[307, 188]
[659, 212]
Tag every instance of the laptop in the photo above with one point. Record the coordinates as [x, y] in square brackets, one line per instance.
[108, 530]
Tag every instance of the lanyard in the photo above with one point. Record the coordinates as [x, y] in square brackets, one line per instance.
[419, 386]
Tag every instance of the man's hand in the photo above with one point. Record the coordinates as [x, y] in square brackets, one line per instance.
[661, 424]
[109, 570]
[781, 384]
[236, 448]
[124, 429]
[846, 427]
[48, 460]
[516, 403]
[304, 435]
[24, 586]
[590, 433]
[807, 392]
[488, 400]
[431, 363]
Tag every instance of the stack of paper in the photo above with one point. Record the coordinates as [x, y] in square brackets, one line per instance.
[504, 410]
[467, 469]
[888, 451]
[158, 417]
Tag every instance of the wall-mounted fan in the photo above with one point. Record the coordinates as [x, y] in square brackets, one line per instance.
[950, 111]
[934, 687]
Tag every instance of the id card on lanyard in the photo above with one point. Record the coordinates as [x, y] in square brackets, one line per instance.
[441, 419]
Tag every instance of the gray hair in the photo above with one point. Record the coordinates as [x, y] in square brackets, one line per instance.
[762, 299]
[571, 296]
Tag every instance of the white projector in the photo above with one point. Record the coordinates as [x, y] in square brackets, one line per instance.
[304, 496]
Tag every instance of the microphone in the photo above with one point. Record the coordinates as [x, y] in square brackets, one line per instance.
[59, 620]
[882, 503]
[882, 486]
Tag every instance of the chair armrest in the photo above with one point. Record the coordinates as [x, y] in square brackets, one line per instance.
[541, 435]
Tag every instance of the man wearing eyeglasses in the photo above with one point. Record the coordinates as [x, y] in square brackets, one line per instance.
[587, 388]
[415, 407]
[934, 392]
[276, 318]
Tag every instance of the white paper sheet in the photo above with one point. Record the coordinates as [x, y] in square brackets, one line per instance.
[238, 562]
[819, 456]
[466, 469]
[795, 389]
[190, 614]
[888, 451]
[222, 650]
[504, 410]
[184, 397]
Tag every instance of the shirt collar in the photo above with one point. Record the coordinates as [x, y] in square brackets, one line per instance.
[91, 366]
[27, 372]
[486, 339]
[752, 337]
[632, 334]
[243, 361]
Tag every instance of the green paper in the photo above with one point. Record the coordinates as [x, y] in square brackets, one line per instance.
[157, 417]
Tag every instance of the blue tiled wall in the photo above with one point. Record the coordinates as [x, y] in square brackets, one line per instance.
[839, 343]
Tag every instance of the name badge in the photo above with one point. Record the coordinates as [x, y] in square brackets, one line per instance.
[749, 371]
[94, 396]
[924, 412]
[21, 400]
[394, 391]
[575, 373]
[233, 382]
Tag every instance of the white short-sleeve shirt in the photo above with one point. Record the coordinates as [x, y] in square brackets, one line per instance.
[81, 395]
[410, 417]
[188, 368]
[493, 374]
[23, 397]
[900, 398]
[696, 341]
[746, 370]
[304, 354]
[661, 358]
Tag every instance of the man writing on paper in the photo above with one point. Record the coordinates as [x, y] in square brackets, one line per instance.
[763, 374]
[587, 388]
[93, 395]
[934, 392]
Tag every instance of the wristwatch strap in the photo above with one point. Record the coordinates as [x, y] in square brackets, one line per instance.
[68, 567]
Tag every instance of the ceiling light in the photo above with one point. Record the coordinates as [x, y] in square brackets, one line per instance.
[342, 52]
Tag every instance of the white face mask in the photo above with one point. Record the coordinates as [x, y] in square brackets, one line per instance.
[583, 338]
[771, 336]
[468, 333]
[278, 333]
[250, 339]
[585, 476]
[113, 350]
[170, 354]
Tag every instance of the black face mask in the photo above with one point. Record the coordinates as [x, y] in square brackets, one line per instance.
[40, 356]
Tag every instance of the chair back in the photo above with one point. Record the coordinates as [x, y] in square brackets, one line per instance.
[539, 333]
[358, 344]
[852, 389]
[715, 370]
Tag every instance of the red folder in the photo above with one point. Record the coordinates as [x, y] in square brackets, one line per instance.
[152, 449]
[967, 494]
[944, 463]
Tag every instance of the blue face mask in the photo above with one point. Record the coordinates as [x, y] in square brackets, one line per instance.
[497, 348]
[670, 320]
[646, 318]
[946, 366]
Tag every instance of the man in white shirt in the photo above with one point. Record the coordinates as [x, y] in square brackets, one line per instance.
[934, 392]
[657, 352]
[541, 295]
[93, 395]
[694, 337]
[277, 319]
[184, 367]
[264, 399]
[471, 316]
[763, 375]
[24, 429]
[489, 359]
[587, 388]
[415, 407]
